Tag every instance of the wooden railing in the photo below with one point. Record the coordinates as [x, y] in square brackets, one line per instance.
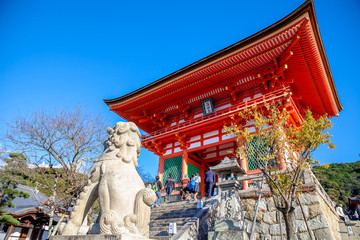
[220, 114]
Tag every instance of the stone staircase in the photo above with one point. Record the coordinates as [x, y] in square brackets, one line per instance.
[178, 212]
[355, 226]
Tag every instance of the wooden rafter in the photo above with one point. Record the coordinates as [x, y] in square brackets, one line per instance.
[271, 76]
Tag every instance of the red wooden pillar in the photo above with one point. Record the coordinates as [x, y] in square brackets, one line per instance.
[280, 157]
[202, 176]
[161, 167]
[244, 164]
[184, 165]
[281, 160]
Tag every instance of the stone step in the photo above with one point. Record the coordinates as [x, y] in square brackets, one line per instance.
[162, 231]
[176, 204]
[166, 222]
[184, 213]
[355, 226]
[161, 237]
[179, 212]
[166, 211]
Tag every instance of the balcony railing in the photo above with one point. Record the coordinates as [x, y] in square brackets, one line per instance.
[220, 114]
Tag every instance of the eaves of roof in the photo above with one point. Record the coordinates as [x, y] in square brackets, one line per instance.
[308, 6]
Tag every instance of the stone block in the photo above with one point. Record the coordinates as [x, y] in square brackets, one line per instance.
[303, 236]
[298, 213]
[309, 199]
[228, 225]
[314, 210]
[265, 237]
[250, 215]
[227, 235]
[270, 204]
[278, 237]
[262, 228]
[270, 217]
[248, 204]
[262, 205]
[323, 234]
[299, 226]
[318, 222]
[275, 229]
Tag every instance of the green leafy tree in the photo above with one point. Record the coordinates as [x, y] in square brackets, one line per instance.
[17, 169]
[282, 143]
[10, 177]
[7, 194]
[340, 180]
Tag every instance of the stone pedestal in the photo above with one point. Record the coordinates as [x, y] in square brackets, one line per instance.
[230, 217]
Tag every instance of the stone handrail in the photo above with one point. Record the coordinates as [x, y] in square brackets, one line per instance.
[192, 228]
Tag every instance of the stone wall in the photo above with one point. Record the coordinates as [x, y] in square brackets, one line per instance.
[319, 212]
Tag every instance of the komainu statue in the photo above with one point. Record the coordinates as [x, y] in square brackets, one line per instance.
[113, 179]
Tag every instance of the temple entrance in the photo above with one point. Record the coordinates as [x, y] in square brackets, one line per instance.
[183, 167]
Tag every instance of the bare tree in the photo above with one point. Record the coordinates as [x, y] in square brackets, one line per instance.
[59, 143]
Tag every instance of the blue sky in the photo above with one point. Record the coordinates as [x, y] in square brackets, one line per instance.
[56, 54]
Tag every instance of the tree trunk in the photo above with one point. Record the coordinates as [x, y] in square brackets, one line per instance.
[289, 223]
[57, 226]
[52, 209]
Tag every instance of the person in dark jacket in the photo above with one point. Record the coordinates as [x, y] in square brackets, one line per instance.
[169, 186]
[209, 182]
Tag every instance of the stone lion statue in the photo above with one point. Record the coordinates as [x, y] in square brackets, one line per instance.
[113, 179]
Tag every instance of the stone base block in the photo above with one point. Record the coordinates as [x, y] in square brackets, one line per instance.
[227, 235]
[228, 225]
[99, 237]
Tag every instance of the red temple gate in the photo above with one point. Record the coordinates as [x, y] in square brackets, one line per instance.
[184, 112]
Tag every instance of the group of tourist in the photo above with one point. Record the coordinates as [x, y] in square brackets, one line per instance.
[187, 190]
[352, 215]
[192, 188]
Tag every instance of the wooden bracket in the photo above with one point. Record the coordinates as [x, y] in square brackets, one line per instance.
[181, 138]
[155, 147]
[232, 91]
[184, 108]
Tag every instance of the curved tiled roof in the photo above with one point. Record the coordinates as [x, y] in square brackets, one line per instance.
[195, 68]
